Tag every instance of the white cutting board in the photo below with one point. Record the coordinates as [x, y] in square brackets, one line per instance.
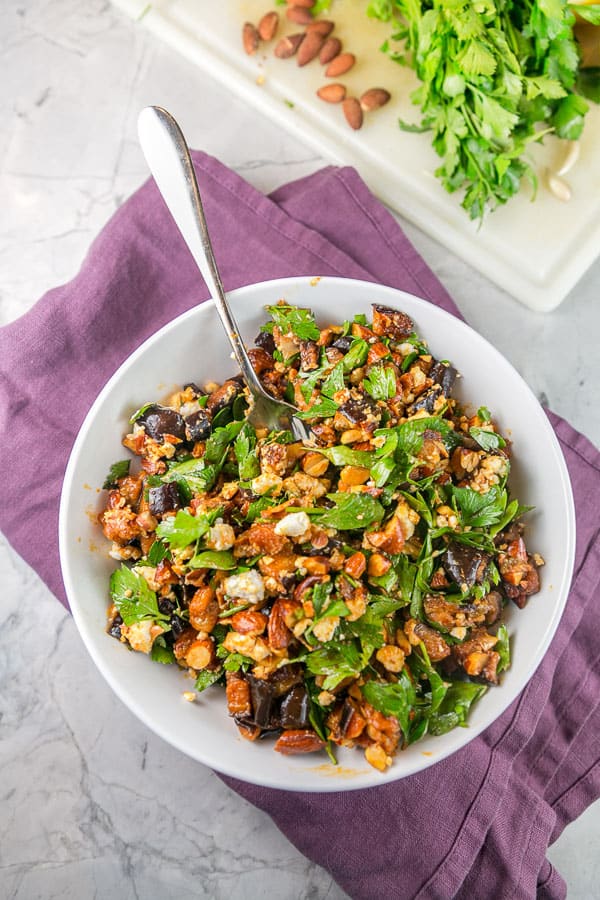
[535, 251]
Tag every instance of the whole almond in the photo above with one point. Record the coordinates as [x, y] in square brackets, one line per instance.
[330, 49]
[309, 48]
[340, 65]
[307, 4]
[250, 38]
[374, 98]
[332, 93]
[267, 27]
[353, 112]
[322, 26]
[299, 14]
[287, 46]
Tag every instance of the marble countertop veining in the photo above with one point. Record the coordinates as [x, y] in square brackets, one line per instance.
[84, 815]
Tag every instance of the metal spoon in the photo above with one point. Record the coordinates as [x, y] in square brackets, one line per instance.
[168, 157]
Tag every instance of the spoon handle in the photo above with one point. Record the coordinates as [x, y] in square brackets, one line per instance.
[168, 157]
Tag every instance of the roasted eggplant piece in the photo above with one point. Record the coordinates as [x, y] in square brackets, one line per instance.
[445, 375]
[426, 401]
[159, 420]
[224, 395]
[388, 322]
[295, 708]
[465, 564]
[197, 426]
[164, 498]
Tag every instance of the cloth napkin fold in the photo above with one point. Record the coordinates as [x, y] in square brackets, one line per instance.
[476, 824]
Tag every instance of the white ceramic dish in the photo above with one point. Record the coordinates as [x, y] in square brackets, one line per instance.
[535, 251]
[193, 348]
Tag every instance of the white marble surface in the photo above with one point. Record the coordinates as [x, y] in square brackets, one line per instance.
[92, 804]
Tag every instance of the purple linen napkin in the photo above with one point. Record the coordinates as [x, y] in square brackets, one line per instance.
[483, 817]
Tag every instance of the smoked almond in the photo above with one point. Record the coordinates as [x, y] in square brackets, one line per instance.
[331, 93]
[330, 49]
[288, 46]
[374, 98]
[299, 15]
[322, 26]
[353, 113]
[250, 38]
[298, 740]
[267, 27]
[340, 65]
[309, 48]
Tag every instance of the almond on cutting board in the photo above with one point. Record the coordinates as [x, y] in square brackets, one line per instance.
[323, 26]
[309, 48]
[288, 46]
[268, 25]
[374, 98]
[332, 93]
[353, 112]
[299, 15]
[340, 65]
[330, 49]
[250, 38]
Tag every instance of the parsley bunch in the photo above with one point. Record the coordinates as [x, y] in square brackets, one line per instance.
[496, 75]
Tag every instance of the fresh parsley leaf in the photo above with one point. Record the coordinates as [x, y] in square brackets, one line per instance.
[140, 412]
[158, 551]
[117, 470]
[334, 381]
[133, 598]
[396, 699]
[296, 320]
[454, 708]
[236, 661]
[502, 647]
[487, 440]
[337, 660]
[206, 678]
[161, 653]
[380, 382]
[183, 528]
[356, 355]
[480, 510]
[341, 455]
[323, 409]
[351, 511]
[213, 559]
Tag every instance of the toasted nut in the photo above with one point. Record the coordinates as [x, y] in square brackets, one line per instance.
[340, 65]
[287, 46]
[352, 434]
[355, 565]
[391, 658]
[377, 757]
[300, 15]
[309, 48]
[237, 692]
[354, 475]
[314, 464]
[332, 93]
[374, 98]
[321, 26]
[200, 654]
[298, 741]
[190, 696]
[249, 621]
[267, 27]
[250, 38]
[378, 565]
[330, 49]
[279, 634]
[307, 4]
[353, 112]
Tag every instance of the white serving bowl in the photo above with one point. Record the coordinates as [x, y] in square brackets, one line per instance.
[193, 348]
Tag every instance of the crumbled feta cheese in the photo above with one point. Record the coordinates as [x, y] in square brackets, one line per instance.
[293, 525]
[263, 483]
[220, 537]
[141, 635]
[247, 586]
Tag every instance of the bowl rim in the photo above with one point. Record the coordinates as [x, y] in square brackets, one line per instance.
[126, 696]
